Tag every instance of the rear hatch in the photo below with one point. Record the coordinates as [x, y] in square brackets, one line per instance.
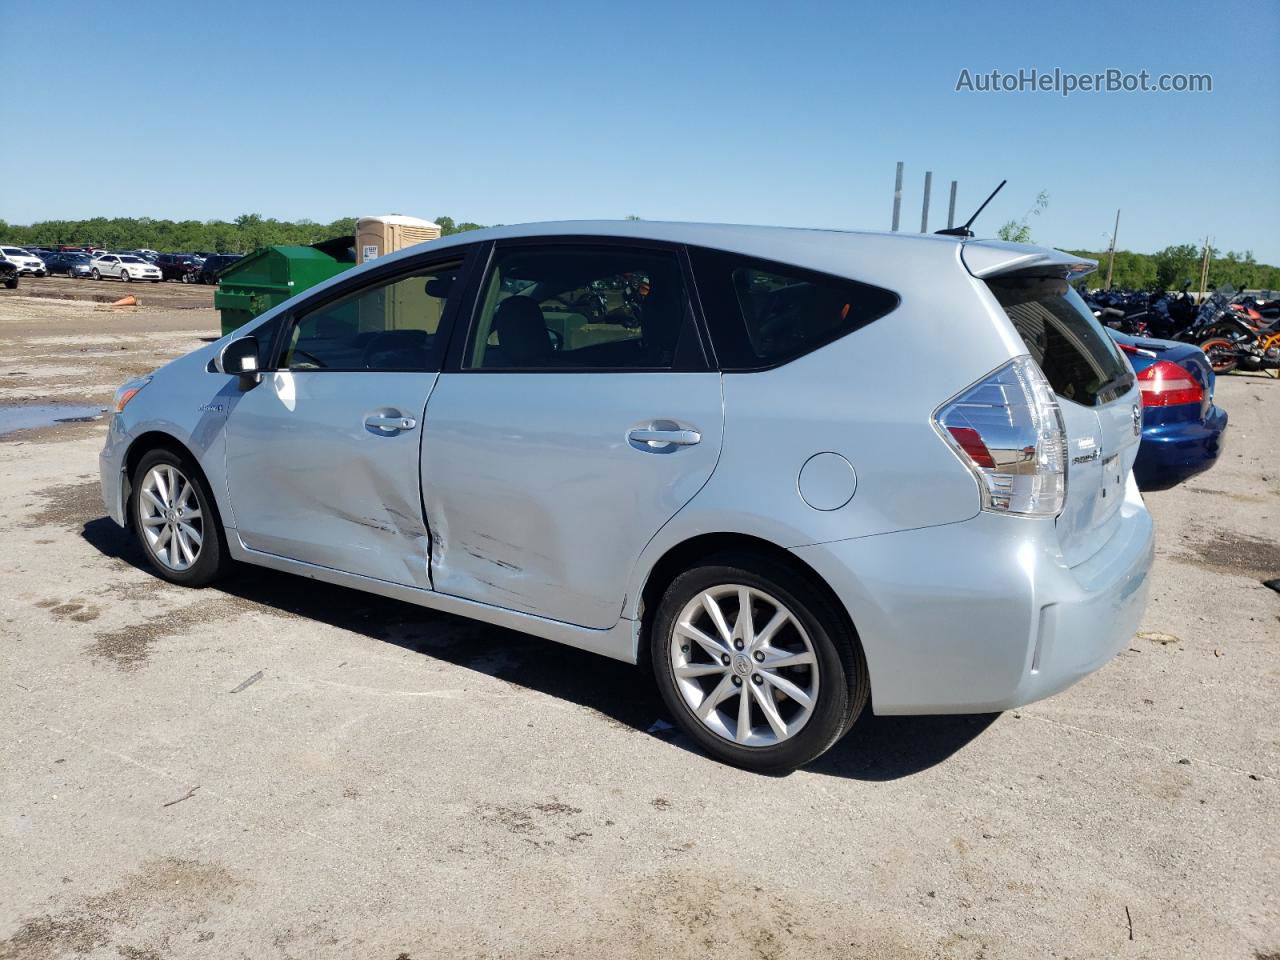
[1095, 386]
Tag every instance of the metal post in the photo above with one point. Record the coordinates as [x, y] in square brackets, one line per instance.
[951, 207]
[897, 197]
[1111, 255]
[924, 210]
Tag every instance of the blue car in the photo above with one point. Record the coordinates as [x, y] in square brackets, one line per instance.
[1182, 429]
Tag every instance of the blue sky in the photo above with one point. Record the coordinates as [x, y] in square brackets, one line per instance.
[744, 112]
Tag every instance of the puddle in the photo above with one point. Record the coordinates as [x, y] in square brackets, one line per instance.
[33, 415]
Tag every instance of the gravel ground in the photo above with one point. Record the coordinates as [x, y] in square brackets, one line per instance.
[284, 769]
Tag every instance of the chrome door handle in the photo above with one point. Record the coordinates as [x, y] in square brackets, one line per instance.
[377, 421]
[679, 438]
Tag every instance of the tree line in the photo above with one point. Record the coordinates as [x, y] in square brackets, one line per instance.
[241, 235]
[1174, 266]
[1167, 269]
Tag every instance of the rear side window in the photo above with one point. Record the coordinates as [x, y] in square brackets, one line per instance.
[1080, 361]
[762, 313]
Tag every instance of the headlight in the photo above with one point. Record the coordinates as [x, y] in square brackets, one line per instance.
[127, 392]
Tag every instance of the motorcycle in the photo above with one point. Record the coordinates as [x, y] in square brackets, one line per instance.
[1238, 339]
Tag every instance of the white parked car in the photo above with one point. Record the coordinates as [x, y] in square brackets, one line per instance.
[124, 266]
[27, 262]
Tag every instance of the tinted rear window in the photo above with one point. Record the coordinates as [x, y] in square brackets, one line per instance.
[763, 313]
[1080, 361]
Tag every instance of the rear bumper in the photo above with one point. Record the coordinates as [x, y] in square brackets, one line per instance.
[1171, 453]
[984, 615]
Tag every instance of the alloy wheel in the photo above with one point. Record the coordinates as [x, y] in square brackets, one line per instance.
[744, 665]
[170, 516]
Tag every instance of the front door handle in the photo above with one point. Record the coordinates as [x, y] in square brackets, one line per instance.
[389, 424]
[656, 438]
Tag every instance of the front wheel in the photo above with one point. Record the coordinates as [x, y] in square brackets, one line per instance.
[96, 274]
[11, 283]
[176, 520]
[755, 664]
[124, 276]
[1221, 353]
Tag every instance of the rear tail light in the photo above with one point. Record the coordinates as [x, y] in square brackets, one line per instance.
[1165, 384]
[1008, 430]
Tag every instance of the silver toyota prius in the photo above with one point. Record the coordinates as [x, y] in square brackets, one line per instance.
[790, 471]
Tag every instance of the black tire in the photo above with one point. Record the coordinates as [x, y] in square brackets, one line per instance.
[844, 684]
[1221, 353]
[214, 558]
[124, 276]
[96, 274]
[186, 278]
[11, 283]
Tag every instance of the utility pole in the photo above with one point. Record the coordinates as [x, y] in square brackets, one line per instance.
[951, 207]
[924, 210]
[1204, 270]
[897, 198]
[1111, 254]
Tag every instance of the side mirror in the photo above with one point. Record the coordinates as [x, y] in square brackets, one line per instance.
[240, 358]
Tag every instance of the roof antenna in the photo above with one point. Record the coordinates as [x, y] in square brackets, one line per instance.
[964, 231]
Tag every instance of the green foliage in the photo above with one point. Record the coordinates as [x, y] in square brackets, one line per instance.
[1170, 268]
[1019, 231]
[247, 232]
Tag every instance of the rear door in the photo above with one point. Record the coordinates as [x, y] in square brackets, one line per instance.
[574, 421]
[323, 454]
[1098, 396]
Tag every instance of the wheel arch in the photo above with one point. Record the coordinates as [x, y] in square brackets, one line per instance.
[143, 444]
[693, 550]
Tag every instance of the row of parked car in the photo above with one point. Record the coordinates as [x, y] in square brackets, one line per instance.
[81, 263]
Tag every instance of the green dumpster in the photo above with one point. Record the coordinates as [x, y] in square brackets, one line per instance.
[271, 275]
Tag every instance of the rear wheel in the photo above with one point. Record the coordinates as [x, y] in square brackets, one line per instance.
[176, 520]
[755, 665]
[1221, 353]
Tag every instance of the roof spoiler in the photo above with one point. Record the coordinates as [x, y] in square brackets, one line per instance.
[992, 258]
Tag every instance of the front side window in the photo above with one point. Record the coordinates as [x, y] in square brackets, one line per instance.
[762, 313]
[580, 306]
[389, 326]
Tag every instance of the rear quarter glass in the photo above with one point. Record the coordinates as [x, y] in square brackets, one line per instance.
[762, 313]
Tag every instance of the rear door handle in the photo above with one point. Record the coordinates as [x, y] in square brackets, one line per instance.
[679, 438]
[389, 424]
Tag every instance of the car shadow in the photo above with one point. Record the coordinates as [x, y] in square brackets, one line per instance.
[876, 749]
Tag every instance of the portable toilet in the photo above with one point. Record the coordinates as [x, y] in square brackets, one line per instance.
[378, 236]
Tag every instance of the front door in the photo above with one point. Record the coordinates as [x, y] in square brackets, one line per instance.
[579, 418]
[323, 454]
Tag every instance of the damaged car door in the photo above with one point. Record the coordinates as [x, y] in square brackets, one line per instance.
[575, 419]
[323, 453]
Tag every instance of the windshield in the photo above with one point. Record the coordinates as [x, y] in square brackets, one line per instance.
[15, 252]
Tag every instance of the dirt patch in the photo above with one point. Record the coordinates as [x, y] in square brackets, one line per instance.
[130, 647]
[165, 897]
[1238, 553]
[1238, 497]
[69, 505]
[74, 610]
[687, 914]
